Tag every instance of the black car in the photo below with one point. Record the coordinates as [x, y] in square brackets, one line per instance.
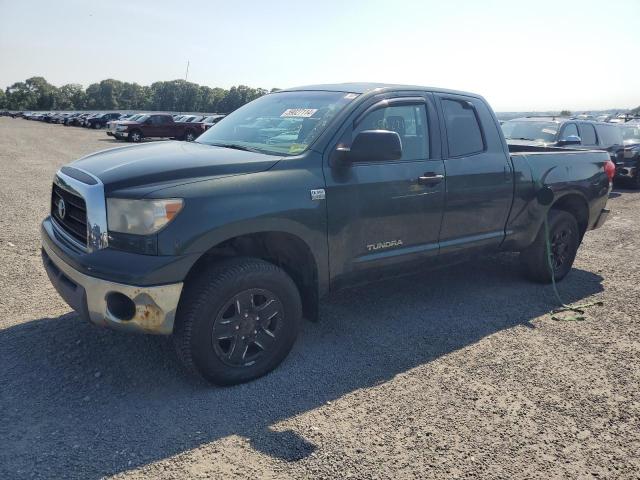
[628, 168]
[547, 132]
[100, 120]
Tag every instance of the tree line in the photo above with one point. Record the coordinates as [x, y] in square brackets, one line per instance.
[36, 93]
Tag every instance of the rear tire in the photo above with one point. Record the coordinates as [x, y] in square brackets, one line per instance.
[237, 320]
[189, 136]
[564, 236]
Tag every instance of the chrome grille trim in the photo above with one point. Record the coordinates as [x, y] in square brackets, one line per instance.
[93, 195]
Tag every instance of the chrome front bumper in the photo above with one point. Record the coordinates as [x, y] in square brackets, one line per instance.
[155, 307]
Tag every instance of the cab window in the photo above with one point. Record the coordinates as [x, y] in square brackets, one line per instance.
[588, 134]
[408, 121]
[569, 130]
[464, 136]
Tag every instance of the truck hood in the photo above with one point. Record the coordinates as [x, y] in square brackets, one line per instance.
[161, 164]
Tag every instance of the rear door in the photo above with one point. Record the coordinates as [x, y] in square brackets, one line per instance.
[166, 126]
[479, 176]
[382, 217]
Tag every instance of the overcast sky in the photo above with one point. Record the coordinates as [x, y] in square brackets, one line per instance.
[521, 55]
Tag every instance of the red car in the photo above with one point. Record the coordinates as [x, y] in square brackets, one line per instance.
[156, 125]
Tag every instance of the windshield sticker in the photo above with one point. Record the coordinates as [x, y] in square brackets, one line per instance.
[299, 112]
[350, 96]
[297, 147]
[550, 131]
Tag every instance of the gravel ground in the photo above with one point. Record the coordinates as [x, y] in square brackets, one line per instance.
[445, 375]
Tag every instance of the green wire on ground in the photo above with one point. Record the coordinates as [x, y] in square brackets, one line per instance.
[578, 310]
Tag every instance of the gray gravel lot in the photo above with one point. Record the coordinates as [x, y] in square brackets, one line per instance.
[458, 373]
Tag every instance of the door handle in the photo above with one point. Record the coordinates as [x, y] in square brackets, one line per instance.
[430, 178]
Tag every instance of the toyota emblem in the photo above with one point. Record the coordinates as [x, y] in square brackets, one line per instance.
[62, 209]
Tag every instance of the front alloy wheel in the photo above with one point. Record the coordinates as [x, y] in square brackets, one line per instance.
[237, 320]
[247, 327]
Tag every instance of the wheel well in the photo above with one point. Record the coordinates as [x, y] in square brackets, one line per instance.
[287, 251]
[576, 206]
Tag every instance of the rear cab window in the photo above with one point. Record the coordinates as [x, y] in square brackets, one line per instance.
[464, 135]
[588, 134]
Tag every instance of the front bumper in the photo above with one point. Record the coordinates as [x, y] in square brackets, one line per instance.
[604, 214]
[155, 306]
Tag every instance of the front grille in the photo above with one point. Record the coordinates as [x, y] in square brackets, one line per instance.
[74, 221]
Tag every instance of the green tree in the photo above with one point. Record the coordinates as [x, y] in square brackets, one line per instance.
[20, 97]
[636, 111]
[104, 95]
[3, 99]
[565, 113]
[71, 97]
[36, 93]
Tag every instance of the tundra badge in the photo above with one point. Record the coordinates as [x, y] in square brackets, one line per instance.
[379, 245]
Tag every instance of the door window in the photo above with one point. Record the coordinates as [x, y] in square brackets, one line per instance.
[464, 136]
[570, 129]
[408, 121]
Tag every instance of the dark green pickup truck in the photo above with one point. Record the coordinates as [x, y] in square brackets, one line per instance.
[227, 242]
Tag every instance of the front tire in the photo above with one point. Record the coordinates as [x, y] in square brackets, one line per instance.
[135, 136]
[237, 320]
[564, 238]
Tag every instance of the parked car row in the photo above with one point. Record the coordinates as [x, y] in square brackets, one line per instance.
[620, 140]
[131, 126]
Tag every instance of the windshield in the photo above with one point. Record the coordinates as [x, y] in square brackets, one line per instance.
[533, 131]
[142, 118]
[278, 123]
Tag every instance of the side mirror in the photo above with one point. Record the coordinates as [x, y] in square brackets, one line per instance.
[570, 140]
[370, 146]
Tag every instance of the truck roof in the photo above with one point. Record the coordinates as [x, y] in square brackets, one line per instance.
[366, 87]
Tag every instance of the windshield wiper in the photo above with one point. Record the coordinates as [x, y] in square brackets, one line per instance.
[235, 146]
[521, 138]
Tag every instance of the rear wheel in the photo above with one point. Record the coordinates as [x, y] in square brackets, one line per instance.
[135, 136]
[189, 136]
[564, 238]
[237, 321]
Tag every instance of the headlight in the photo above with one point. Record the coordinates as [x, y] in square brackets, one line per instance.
[141, 217]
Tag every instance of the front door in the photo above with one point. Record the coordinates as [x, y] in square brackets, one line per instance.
[385, 215]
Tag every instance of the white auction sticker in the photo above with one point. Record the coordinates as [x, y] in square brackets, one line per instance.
[299, 112]
[550, 131]
[350, 96]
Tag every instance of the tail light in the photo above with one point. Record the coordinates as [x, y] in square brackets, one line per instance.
[610, 169]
